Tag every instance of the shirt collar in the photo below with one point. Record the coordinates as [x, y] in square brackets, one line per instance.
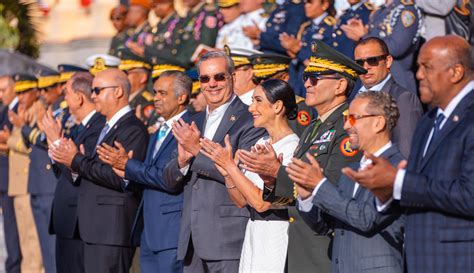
[324, 117]
[122, 112]
[88, 118]
[455, 101]
[13, 103]
[170, 121]
[220, 109]
[356, 6]
[318, 19]
[247, 97]
[379, 152]
[378, 86]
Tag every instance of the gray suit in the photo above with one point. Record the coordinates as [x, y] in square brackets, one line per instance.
[364, 240]
[410, 112]
[210, 220]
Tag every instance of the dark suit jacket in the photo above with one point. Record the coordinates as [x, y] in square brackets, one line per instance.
[216, 225]
[410, 110]
[64, 210]
[3, 157]
[438, 192]
[105, 211]
[364, 240]
[161, 205]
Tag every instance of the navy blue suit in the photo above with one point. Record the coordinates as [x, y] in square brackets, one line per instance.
[438, 192]
[161, 207]
[12, 264]
[63, 222]
[285, 18]
[341, 42]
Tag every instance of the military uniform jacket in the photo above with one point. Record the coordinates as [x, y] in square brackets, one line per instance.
[160, 42]
[399, 24]
[307, 251]
[139, 34]
[119, 40]
[199, 27]
[340, 41]
[303, 118]
[145, 100]
[285, 18]
[4, 157]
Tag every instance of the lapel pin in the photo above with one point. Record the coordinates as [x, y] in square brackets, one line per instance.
[232, 118]
[456, 118]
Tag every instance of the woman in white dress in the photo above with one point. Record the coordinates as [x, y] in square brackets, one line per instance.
[266, 236]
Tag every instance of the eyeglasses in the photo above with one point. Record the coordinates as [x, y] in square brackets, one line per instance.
[372, 61]
[314, 78]
[116, 18]
[97, 90]
[353, 119]
[219, 77]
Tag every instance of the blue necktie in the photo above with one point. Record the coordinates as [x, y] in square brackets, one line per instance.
[102, 135]
[436, 129]
[159, 138]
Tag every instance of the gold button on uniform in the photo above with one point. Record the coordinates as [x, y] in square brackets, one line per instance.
[291, 220]
[48, 166]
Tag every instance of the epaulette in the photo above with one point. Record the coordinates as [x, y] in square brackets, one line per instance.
[63, 104]
[369, 5]
[407, 2]
[299, 99]
[147, 95]
[330, 21]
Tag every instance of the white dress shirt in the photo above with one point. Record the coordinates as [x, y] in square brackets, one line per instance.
[397, 187]
[168, 123]
[376, 87]
[307, 204]
[87, 118]
[247, 97]
[12, 105]
[115, 118]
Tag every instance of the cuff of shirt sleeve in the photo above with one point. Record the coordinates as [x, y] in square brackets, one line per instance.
[315, 191]
[397, 187]
[382, 206]
[184, 170]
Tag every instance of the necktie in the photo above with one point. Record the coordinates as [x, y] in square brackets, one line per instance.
[436, 129]
[160, 137]
[102, 134]
[315, 129]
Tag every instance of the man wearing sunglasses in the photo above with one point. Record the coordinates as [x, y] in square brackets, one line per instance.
[212, 228]
[105, 211]
[360, 234]
[372, 54]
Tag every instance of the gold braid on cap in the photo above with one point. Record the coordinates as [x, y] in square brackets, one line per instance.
[196, 87]
[321, 65]
[239, 61]
[47, 81]
[158, 69]
[265, 70]
[21, 86]
[131, 64]
[65, 76]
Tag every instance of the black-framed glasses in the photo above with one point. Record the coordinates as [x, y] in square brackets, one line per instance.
[314, 78]
[219, 77]
[353, 118]
[97, 90]
[372, 61]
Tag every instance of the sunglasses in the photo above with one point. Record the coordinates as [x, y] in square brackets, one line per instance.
[97, 90]
[353, 119]
[219, 77]
[117, 18]
[372, 61]
[314, 78]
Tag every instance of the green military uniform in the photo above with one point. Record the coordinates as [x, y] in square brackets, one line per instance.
[266, 66]
[327, 141]
[119, 40]
[199, 27]
[139, 34]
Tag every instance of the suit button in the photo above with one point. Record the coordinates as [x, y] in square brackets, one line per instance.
[195, 187]
[337, 261]
[291, 220]
[48, 166]
[342, 232]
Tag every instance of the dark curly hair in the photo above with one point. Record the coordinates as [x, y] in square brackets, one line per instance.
[276, 90]
[381, 103]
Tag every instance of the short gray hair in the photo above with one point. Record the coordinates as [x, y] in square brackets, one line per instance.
[182, 83]
[124, 83]
[381, 103]
[214, 55]
[82, 82]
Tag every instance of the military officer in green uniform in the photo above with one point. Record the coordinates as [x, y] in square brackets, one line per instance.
[329, 78]
[138, 71]
[137, 17]
[197, 30]
[117, 17]
[267, 66]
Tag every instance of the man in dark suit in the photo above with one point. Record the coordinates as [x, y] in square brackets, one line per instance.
[161, 206]
[373, 55]
[437, 186]
[105, 211]
[212, 227]
[363, 239]
[329, 78]
[12, 244]
[63, 221]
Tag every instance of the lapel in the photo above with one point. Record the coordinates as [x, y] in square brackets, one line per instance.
[454, 120]
[231, 116]
[387, 87]
[151, 147]
[84, 133]
[117, 125]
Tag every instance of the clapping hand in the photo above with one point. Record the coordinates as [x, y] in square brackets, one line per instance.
[305, 175]
[51, 127]
[116, 157]
[221, 156]
[263, 160]
[64, 151]
[355, 29]
[187, 136]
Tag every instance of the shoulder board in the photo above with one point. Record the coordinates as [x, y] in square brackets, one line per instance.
[407, 2]
[369, 5]
[329, 20]
[299, 99]
[63, 104]
[147, 95]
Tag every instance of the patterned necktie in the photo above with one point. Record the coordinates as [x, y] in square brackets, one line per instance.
[102, 135]
[436, 130]
[160, 137]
